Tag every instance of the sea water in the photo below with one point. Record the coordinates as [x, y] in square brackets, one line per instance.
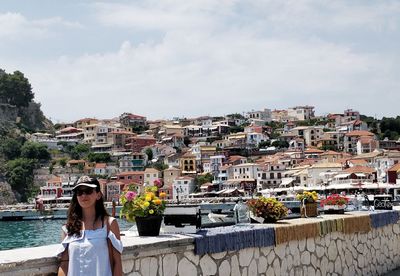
[32, 233]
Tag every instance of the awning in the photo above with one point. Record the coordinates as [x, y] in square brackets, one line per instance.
[360, 174]
[286, 181]
[342, 186]
[343, 175]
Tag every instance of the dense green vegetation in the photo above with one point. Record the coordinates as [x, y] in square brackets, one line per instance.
[20, 159]
[15, 89]
[102, 157]
[387, 127]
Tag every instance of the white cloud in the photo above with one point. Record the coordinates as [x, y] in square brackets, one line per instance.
[17, 26]
[216, 57]
[196, 74]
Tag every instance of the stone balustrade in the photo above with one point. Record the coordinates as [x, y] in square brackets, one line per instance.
[327, 245]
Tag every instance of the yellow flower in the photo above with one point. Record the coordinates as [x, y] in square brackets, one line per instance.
[148, 198]
[163, 195]
[146, 204]
[151, 211]
[157, 201]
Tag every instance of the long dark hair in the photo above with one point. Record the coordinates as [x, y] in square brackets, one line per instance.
[74, 219]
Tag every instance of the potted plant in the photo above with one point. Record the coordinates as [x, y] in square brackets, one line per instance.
[309, 203]
[270, 209]
[334, 204]
[146, 209]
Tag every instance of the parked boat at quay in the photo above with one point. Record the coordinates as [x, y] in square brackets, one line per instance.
[28, 212]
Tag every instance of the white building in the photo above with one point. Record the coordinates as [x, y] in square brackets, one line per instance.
[216, 161]
[301, 113]
[270, 175]
[182, 187]
[255, 138]
[310, 134]
[264, 116]
[246, 171]
[150, 175]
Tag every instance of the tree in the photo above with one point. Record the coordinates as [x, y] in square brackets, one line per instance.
[264, 144]
[186, 141]
[20, 175]
[235, 116]
[79, 151]
[101, 157]
[62, 162]
[280, 144]
[51, 168]
[10, 148]
[235, 129]
[81, 167]
[201, 179]
[15, 89]
[160, 166]
[149, 154]
[33, 150]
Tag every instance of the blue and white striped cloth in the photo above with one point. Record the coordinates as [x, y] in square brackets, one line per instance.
[383, 218]
[220, 239]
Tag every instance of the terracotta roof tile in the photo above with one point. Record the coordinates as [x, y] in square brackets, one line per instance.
[358, 161]
[394, 168]
[131, 173]
[359, 133]
[359, 169]
[100, 165]
[331, 152]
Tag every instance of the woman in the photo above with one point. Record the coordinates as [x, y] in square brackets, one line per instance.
[91, 238]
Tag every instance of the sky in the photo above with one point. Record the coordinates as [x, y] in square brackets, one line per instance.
[179, 58]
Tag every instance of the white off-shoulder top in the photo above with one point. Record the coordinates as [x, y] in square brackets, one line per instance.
[88, 254]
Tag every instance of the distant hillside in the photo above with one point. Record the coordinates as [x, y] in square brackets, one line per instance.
[19, 115]
[17, 106]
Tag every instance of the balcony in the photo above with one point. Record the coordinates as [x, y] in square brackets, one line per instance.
[137, 162]
[354, 182]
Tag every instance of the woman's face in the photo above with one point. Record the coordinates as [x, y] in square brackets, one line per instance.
[87, 196]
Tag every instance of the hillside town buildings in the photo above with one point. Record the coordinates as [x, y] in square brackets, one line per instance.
[264, 149]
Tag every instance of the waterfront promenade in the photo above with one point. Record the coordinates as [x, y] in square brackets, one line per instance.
[356, 243]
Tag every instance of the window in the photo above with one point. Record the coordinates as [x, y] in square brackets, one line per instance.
[271, 175]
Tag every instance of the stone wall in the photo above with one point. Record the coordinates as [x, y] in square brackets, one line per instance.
[372, 252]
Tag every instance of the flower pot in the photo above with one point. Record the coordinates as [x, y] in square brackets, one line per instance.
[309, 210]
[270, 220]
[334, 209]
[148, 226]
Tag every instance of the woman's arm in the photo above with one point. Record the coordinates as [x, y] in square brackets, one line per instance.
[64, 260]
[116, 255]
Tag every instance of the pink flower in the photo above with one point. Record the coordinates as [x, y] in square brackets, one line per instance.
[157, 183]
[130, 195]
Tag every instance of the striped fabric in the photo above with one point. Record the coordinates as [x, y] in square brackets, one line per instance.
[353, 224]
[328, 226]
[220, 239]
[296, 232]
[383, 218]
